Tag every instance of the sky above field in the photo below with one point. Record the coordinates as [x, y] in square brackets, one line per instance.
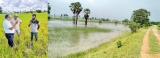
[19, 5]
[112, 9]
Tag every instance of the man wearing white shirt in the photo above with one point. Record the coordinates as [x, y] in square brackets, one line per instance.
[35, 25]
[9, 29]
[13, 21]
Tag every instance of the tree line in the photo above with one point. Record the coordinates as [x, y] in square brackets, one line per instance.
[24, 11]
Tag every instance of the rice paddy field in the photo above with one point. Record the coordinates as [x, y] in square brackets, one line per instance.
[131, 46]
[23, 46]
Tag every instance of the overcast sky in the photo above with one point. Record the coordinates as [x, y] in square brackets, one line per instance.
[17, 5]
[112, 9]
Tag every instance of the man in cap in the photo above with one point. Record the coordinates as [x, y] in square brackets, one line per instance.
[9, 29]
[13, 21]
[35, 25]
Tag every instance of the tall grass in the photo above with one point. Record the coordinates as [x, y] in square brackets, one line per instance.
[24, 48]
[131, 46]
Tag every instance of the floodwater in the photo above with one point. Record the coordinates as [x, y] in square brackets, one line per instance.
[84, 41]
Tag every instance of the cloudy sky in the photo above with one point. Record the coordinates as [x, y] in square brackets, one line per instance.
[112, 9]
[17, 5]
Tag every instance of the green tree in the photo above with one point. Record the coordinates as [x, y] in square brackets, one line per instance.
[134, 26]
[31, 11]
[125, 20]
[38, 11]
[49, 9]
[76, 8]
[140, 16]
[1, 10]
[61, 15]
[107, 19]
[86, 15]
[139, 19]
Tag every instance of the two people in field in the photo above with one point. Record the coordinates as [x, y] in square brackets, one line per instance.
[12, 26]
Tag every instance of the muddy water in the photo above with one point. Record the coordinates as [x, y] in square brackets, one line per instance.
[82, 42]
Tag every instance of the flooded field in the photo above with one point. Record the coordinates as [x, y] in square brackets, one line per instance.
[65, 42]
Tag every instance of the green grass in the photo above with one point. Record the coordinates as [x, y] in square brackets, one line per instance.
[153, 43]
[131, 46]
[59, 33]
[158, 28]
[24, 48]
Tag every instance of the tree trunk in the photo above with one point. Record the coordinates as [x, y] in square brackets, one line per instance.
[86, 21]
[86, 18]
[76, 18]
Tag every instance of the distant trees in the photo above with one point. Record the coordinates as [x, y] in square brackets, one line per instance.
[23, 11]
[125, 20]
[1, 10]
[155, 23]
[61, 15]
[38, 11]
[65, 15]
[31, 12]
[107, 19]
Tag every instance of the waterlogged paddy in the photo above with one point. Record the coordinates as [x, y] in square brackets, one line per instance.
[65, 38]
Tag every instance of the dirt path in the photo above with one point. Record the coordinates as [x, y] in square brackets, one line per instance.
[156, 34]
[145, 44]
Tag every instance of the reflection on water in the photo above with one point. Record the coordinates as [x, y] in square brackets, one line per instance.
[71, 42]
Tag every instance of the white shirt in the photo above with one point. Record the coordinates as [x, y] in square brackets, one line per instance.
[13, 21]
[34, 26]
[6, 25]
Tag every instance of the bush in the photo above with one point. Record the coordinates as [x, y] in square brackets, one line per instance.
[134, 26]
[100, 21]
[119, 44]
[38, 11]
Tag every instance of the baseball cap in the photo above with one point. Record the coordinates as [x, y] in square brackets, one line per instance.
[15, 15]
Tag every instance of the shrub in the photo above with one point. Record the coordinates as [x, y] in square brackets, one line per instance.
[119, 44]
[100, 21]
[134, 26]
[38, 11]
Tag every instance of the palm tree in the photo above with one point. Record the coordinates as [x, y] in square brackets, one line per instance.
[76, 8]
[86, 16]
